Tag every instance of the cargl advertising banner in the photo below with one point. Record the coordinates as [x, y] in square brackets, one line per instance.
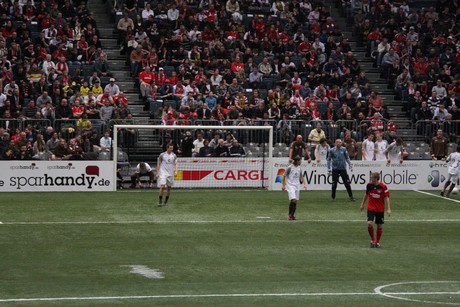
[54, 176]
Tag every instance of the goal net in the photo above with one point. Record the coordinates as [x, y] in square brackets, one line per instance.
[208, 156]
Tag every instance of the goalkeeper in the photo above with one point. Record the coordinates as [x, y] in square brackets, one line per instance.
[337, 166]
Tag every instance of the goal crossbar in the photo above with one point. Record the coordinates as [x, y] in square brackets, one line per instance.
[204, 127]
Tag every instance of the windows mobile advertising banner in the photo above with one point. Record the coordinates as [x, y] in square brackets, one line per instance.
[56, 176]
[409, 175]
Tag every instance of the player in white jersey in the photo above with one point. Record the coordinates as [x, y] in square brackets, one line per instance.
[453, 171]
[166, 170]
[321, 150]
[368, 148]
[395, 152]
[292, 179]
[142, 169]
[381, 146]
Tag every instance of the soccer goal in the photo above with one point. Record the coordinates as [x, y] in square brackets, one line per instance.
[231, 156]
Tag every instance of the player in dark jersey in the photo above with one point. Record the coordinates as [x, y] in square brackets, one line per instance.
[376, 195]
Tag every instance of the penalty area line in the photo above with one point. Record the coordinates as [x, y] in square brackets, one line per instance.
[438, 196]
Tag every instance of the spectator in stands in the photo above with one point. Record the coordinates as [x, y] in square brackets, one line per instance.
[105, 143]
[206, 150]
[221, 150]
[316, 135]
[439, 146]
[106, 111]
[236, 150]
[198, 143]
[112, 87]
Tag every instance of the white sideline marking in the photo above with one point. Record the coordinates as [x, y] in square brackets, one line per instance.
[396, 295]
[263, 217]
[224, 295]
[145, 271]
[438, 196]
[225, 222]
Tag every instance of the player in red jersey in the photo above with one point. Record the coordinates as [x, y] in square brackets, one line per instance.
[377, 195]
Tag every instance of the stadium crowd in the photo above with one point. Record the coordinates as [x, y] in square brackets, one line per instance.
[284, 63]
[57, 92]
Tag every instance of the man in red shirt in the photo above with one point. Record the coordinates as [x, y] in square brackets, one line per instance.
[377, 195]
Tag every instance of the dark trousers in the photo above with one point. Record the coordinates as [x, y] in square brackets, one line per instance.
[346, 181]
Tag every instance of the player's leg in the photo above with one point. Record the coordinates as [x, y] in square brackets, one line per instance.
[151, 177]
[292, 202]
[169, 183]
[346, 182]
[162, 183]
[335, 179]
[453, 182]
[370, 226]
[379, 221]
[448, 182]
[134, 179]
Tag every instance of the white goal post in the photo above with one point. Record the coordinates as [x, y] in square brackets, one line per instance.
[228, 172]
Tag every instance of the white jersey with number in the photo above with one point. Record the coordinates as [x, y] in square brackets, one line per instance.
[394, 152]
[292, 175]
[368, 150]
[322, 152]
[167, 164]
[380, 148]
[454, 163]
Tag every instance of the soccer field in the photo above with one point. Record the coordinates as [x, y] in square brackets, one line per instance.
[225, 248]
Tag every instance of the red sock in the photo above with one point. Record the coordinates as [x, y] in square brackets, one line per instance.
[371, 232]
[379, 234]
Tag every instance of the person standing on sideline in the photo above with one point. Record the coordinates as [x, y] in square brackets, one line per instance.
[395, 152]
[368, 148]
[377, 195]
[322, 150]
[453, 171]
[297, 148]
[292, 179]
[166, 170]
[337, 166]
[439, 146]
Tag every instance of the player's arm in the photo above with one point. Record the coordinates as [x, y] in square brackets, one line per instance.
[363, 151]
[288, 171]
[175, 166]
[361, 207]
[347, 160]
[387, 202]
[307, 154]
[158, 167]
[290, 153]
[302, 180]
[317, 154]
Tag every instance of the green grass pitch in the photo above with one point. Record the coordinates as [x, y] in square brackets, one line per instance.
[225, 248]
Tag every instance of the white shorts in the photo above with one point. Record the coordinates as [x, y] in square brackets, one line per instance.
[293, 193]
[452, 177]
[166, 180]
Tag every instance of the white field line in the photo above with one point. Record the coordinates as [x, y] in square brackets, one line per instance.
[224, 222]
[186, 296]
[438, 196]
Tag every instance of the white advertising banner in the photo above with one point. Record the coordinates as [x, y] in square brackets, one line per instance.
[410, 175]
[220, 173]
[55, 176]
